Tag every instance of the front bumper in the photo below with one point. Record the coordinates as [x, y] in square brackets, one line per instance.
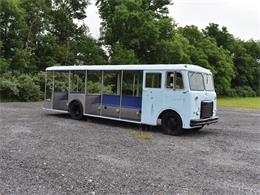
[206, 121]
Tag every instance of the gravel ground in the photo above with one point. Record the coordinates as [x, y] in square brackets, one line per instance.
[46, 153]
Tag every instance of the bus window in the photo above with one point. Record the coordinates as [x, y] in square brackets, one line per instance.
[61, 81]
[94, 82]
[174, 80]
[208, 81]
[61, 88]
[111, 84]
[77, 81]
[196, 81]
[153, 80]
[132, 83]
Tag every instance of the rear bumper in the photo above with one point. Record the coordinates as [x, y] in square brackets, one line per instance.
[206, 121]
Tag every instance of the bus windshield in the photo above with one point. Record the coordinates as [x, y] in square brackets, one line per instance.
[208, 81]
[201, 82]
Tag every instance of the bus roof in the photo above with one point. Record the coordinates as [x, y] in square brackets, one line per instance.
[151, 67]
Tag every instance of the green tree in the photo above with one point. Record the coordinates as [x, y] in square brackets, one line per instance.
[12, 31]
[246, 55]
[142, 27]
[205, 52]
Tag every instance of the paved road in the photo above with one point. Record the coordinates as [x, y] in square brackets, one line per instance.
[43, 153]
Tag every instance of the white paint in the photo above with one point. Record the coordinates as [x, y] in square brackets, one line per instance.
[189, 67]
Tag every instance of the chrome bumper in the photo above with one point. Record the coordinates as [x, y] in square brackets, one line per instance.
[206, 121]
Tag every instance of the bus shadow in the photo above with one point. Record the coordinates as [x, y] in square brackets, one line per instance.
[108, 122]
[133, 126]
[202, 133]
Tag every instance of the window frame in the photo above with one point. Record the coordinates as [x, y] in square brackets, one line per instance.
[153, 72]
[202, 80]
[213, 85]
[172, 88]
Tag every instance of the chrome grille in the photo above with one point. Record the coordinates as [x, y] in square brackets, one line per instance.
[206, 110]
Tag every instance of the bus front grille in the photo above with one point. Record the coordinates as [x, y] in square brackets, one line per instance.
[206, 109]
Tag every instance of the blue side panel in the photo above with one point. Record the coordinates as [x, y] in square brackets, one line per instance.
[132, 102]
[111, 100]
[114, 100]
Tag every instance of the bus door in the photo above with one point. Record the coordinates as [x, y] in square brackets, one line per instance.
[174, 94]
[152, 95]
[93, 92]
[110, 98]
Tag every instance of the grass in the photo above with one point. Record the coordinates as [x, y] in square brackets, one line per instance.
[247, 102]
[140, 135]
[5, 100]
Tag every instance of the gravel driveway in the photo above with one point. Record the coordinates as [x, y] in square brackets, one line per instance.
[46, 153]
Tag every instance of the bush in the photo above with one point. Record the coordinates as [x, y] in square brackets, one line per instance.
[28, 90]
[39, 80]
[242, 91]
[21, 87]
[9, 87]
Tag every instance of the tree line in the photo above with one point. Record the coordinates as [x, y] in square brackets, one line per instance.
[38, 34]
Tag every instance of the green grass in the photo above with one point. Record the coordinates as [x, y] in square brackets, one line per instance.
[140, 135]
[247, 102]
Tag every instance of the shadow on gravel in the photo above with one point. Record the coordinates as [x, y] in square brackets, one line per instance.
[122, 124]
[201, 133]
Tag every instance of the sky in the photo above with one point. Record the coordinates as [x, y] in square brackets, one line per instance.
[241, 17]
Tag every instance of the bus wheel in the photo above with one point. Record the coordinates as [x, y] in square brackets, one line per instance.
[172, 123]
[76, 110]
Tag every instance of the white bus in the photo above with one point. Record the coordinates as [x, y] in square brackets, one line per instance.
[177, 97]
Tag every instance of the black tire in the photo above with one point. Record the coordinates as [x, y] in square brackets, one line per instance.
[172, 123]
[76, 110]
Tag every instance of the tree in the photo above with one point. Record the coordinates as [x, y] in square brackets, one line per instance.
[221, 35]
[38, 34]
[12, 31]
[205, 52]
[141, 27]
[246, 55]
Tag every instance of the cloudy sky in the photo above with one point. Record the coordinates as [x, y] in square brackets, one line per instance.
[241, 17]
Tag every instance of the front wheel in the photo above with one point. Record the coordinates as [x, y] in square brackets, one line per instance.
[76, 110]
[172, 123]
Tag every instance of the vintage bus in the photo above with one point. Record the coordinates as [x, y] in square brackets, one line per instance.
[177, 97]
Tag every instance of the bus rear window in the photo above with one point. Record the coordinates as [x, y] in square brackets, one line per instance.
[196, 81]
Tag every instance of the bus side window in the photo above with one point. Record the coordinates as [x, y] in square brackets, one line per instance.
[111, 83]
[94, 82]
[174, 80]
[153, 80]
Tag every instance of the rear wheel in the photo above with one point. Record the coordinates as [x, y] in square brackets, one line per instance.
[76, 110]
[172, 123]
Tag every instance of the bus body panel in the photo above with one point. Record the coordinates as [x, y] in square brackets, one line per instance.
[156, 101]
[145, 109]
